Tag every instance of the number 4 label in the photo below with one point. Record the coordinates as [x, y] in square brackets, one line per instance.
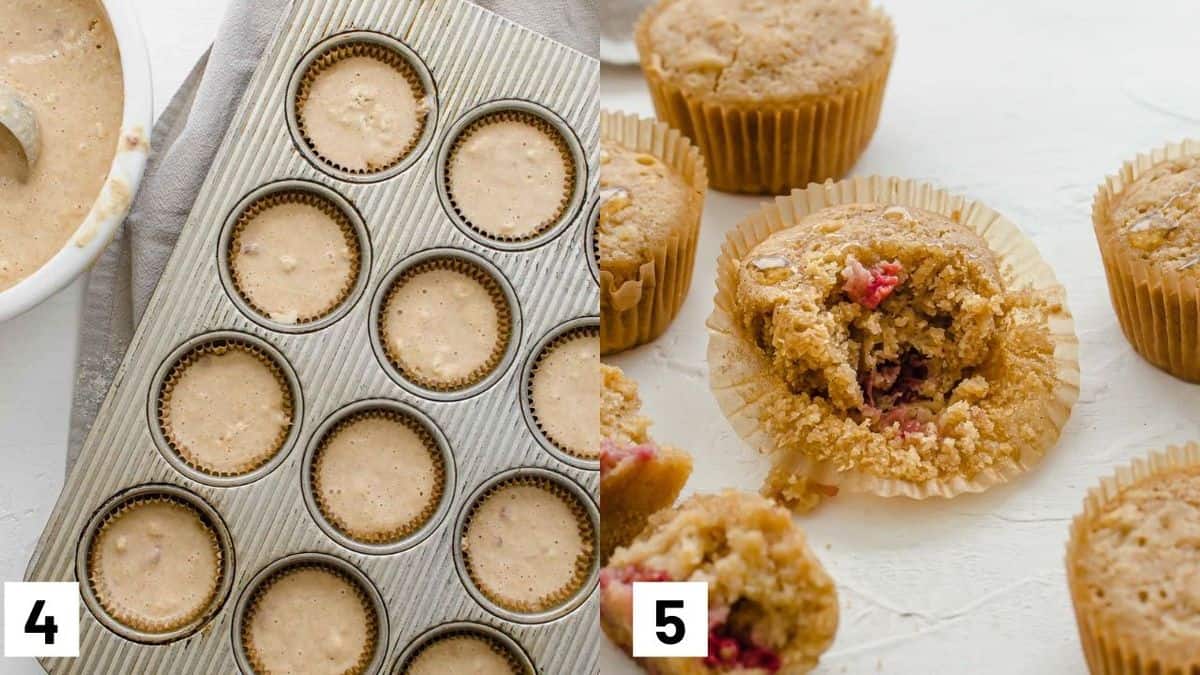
[670, 618]
[41, 618]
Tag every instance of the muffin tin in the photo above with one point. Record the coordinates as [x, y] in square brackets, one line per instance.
[471, 62]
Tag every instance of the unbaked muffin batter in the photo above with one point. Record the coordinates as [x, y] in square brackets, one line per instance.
[465, 654]
[227, 412]
[293, 261]
[155, 565]
[443, 326]
[363, 114]
[62, 57]
[376, 478]
[510, 177]
[524, 545]
[566, 389]
[311, 621]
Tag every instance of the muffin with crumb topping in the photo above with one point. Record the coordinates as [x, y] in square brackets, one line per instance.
[777, 93]
[1147, 221]
[652, 185]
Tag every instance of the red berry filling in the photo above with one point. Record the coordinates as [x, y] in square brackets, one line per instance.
[870, 287]
[726, 650]
[611, 454]
[629, 574]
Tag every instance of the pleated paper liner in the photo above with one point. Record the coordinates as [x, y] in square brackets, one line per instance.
[772, 148]
[1158, 308]
[218, 347]
[379, 53]
[260, 206]
[403, 531]
[515, 662]
[581, 333]
[1108, 649]
[743, 381]
[536, 122]
[368, 651]
[129, 617]
[583, 564]
[410, 371]
[638, 309]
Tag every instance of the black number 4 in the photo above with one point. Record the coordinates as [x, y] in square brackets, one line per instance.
[664, 620]
[47, 627]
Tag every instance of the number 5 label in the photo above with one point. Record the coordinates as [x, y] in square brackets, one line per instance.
[670, 618]
[41, 618]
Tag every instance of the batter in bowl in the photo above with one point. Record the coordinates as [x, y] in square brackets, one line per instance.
[62, 57]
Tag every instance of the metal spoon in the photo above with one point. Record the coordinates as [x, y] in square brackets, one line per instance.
[19, 119]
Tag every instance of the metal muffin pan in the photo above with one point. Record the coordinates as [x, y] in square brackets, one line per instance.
[581, 323]
[463, 628]
[475, 61]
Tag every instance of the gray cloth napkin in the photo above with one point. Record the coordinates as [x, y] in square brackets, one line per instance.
[185, 139]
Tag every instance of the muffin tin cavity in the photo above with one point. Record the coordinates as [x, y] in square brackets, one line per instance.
[480, 551]
[311, 620]
[189, 394]
[445, 324]
[511, 175]
[159, 510]
[427, 654]
[294, 256]
[362, 107]
[557, 394]
[405, 476]
[591, 245]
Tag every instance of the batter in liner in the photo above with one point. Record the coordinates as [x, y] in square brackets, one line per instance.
[565, 388]
[62, 57]
[467, 654]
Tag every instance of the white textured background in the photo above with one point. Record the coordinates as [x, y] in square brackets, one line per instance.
[37, 350]
[1025, 105]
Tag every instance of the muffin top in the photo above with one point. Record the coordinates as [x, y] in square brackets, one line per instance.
[1135, 564]
[766, 51]
[644, 203]
[621, 420]
[895, 345]
[1156, 218]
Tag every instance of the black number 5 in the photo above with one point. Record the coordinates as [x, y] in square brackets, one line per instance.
[47, 627]
[664, 620]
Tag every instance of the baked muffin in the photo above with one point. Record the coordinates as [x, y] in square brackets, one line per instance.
[637, 476]
[777, 93]
[652, 185]
[1134, 570]
[1147, 221]
[772, 608]
[889, 349]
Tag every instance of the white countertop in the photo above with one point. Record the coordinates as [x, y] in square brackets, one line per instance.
[1025, 105]
[37, 350]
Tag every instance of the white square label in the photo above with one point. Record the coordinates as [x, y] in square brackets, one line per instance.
[41, 618]
[670, 618]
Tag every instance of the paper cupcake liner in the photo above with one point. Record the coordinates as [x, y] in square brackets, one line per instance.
[398, 533]
[257, 208]
[503, 311]
[379, 53]
[769, 149]
[742, 378]
[218, 347]
[120, 614]
[1158, 308]
[494, 645]
[533, 121]
[368, 652]
[583, 564]
[1107, 650]
[576, 334]
[637, 310]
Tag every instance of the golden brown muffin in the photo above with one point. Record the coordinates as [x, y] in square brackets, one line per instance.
[652, 183]
[777, 93]
[1134, 571]
[1147, 221]
[772, 607]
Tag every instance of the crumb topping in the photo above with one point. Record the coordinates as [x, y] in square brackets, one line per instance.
[902, 352]
[764, 52]
[1157, 216]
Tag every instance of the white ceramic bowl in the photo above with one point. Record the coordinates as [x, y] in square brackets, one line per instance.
[133, 146]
